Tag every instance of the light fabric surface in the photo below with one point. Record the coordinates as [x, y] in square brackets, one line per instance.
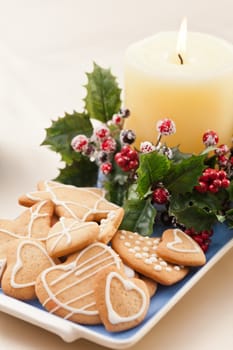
[45, 48]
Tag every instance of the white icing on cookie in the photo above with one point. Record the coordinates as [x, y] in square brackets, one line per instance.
[104, 258]
[178, 239]
[128, 285]
[51, 187]
[19, 264]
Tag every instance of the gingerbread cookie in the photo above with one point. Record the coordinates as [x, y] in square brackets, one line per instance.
[32, 223]
[69, 235]
[151, 285]
[109, 226]
[86, 204]
[25, 260]
[140, 253]
[179, 248]
[122, 302]
[67, 289]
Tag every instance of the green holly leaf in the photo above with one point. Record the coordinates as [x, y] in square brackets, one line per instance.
[153, 168]
[183, 176]
[76, 174]
[103, 94]
[60, 133]
[192, 213]
[139, 216]
[230, 190]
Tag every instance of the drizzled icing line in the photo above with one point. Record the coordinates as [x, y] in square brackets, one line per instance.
[177, 240]
[50, 190]
[66, 232]
[33, 216]
[113, 316]
[18, 265]
[2, 266]
[77, 269]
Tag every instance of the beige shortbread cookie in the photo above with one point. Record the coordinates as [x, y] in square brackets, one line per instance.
[32, 223]
[67, 289]
[26, 258]
[179, 248]
[122, 302]
[110, 225]
[140, 253]
[69, 235]
[87, 204]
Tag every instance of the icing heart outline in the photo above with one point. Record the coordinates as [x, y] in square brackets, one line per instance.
[19, 264]
[70, 269]
[113, 316]
[178, 239]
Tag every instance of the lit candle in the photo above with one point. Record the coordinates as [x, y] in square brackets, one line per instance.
[187, 78]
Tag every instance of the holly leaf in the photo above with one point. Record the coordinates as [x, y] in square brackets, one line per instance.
[61, 132]
[183, 176]
[153, 168]
[192, 213]
[230, 191]
[103, 94]
[76, 173]
[139, 216]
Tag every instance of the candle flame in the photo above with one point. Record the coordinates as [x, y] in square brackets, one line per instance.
[182, 40]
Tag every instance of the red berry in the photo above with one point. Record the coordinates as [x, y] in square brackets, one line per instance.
[160, 195]
[166, 127]
[225, 183]
[204, 247]
[202, 187]
[210, 138]
[117, 119]
[213, 188]
[217, 183]
[222, 160]
[127, 159]
[102, 132]
[108, 145]
[222, 150]
[222, 174]
[106, 168]
[80, 143]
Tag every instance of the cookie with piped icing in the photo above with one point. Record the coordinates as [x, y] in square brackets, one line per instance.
[32, 223]
[122, 302]
[140, 253]
[81, 203]
[67, 290]
[179, 248]
[70, 235]
[151, 285]
[26, 258]
[110, 225]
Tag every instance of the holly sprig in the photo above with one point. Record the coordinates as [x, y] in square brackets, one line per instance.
[138, 179]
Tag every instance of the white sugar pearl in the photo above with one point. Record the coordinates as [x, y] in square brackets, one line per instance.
[145, 249]
[123, 232]
[163, 263]
[154, 247]
[145, 255]
[149, 243]
[137, 248]
[122, 237]
[153, 259]
[130, 236]
[131, 250]
[137, 242]
[158, 268]
[156, 241]
[138, 255]
[127, 244]
[148, 261]
[168, 269]
[154, 254]
[141, 239]
[177, 268]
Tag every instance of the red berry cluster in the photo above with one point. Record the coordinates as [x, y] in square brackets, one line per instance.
[212, 180]
[127, 158]
[202, 237]
[160, 195]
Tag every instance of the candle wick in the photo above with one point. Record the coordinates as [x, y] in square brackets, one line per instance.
[181, 59]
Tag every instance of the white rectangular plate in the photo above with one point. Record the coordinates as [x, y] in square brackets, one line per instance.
[161, 303]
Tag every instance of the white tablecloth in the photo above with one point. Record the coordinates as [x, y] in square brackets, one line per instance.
[45, 48]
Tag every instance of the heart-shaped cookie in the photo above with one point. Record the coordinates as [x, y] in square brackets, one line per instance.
[25, 261]
[67, 289]
[109, 226]
[69, 235]
[122, 302]
[140, 253]
[86, 204]
[179, 248]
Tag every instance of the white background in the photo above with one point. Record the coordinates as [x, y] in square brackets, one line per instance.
[45, 48]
